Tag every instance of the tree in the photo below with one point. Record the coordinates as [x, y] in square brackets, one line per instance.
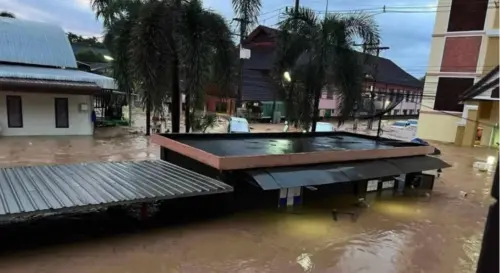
[319, 53]
[89, 41]
[247, 12]
[156, 44]
[7, 14]
[89, 56]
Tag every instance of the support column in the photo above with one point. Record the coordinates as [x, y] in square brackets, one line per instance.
[470, 131]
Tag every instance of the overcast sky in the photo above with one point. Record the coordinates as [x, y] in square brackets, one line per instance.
[407, 33]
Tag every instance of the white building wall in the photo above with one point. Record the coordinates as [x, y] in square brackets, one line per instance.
[39, 115]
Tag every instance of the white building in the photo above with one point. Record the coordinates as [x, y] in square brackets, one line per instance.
[42, 92]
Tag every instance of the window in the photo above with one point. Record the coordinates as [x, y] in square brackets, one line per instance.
[14, 112]
[221, 107]
[396, 112]
[407, 96]
[473, 10]
[61, 111]
[405, 112]
[448, 92]
[391, 94]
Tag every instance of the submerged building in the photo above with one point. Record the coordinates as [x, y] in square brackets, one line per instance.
[42, 92]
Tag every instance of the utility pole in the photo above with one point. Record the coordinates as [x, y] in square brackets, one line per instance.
[243, 26]
[378, 48]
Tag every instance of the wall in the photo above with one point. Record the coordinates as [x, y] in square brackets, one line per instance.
[380, 88]
[39, 115]
[440, 127]
[211, 103]
[488, 123]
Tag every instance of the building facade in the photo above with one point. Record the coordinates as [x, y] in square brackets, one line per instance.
[464, 49]
[388, 80]
[42, 92]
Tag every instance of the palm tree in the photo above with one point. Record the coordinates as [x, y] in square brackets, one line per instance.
[158, 43]
[7, 14]
[320, 53]
[246, 12]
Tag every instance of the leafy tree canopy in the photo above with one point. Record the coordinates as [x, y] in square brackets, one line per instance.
[7, 14]
[89, 56]
[89, 41]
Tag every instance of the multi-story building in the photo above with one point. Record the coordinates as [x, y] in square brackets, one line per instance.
[388, 81]
[464, 49]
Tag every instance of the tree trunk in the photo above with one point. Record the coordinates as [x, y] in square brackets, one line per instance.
[176, 97]
[148, 115]
[129, 109]
[315, 111]
[273, 109]
[187, 113]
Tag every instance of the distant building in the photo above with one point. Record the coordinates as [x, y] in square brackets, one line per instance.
[464, 49]
[42, 92]
[389, 82]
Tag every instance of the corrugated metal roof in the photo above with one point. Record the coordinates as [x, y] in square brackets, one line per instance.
[58, 187]
[56, 74]
[70, 84]
[36, 43]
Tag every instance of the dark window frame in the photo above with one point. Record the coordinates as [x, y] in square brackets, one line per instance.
[57, 117]
[448, 92]
[9, 123]
[473, 10]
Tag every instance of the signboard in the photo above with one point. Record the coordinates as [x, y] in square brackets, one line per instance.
[388, 184]
[372, 185]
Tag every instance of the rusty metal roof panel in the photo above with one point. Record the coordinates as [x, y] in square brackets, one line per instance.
[56, 188]
[35, 43]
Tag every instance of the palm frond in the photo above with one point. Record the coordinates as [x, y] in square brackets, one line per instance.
[217, 35]
[248, 11]
[150, 51]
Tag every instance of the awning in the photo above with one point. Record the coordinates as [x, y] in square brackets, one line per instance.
[55, 74]
[277, 178]
[418, 163]
[67, 188]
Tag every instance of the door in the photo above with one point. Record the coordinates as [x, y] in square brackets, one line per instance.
[61, 112]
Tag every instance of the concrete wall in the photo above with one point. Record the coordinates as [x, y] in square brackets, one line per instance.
[39, 115]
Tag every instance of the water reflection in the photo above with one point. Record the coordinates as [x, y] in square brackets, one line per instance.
[438, 234]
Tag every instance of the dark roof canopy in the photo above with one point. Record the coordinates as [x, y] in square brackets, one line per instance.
[488, 82]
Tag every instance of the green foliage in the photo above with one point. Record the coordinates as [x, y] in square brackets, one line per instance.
[201, 123]
[157, 44]
[89, 56]
[90, 41]
[7, 14]
[319, 53]
[247, 11]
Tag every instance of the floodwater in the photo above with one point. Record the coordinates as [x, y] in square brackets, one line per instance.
[441, 233]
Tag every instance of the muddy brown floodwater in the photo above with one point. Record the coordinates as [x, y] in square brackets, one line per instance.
[439, 234]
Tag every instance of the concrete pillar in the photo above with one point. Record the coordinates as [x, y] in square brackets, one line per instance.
[487, 134]
[470, 131]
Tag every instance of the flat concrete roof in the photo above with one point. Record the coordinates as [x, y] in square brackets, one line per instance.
[253, 150]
